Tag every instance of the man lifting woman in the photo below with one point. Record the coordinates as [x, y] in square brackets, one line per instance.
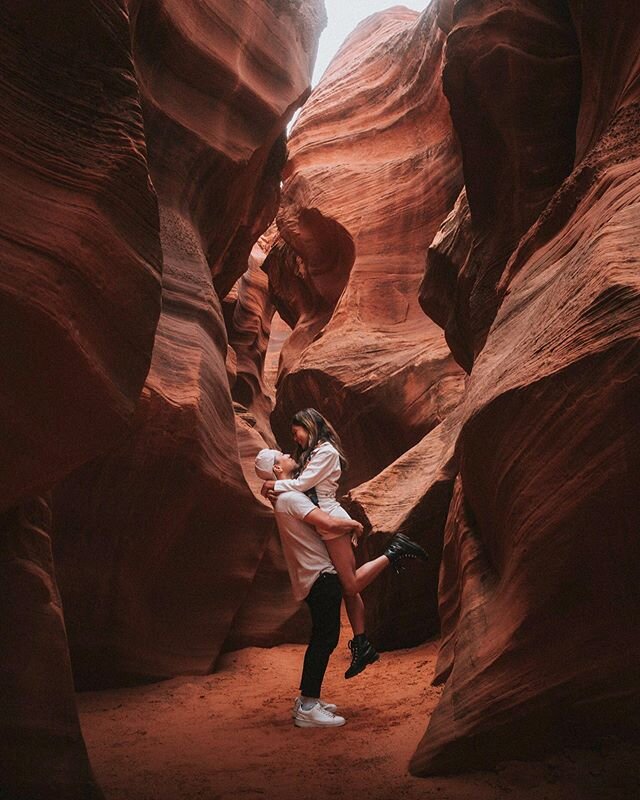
[317, 538]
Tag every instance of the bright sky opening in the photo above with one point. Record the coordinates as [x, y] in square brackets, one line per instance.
[343, 16]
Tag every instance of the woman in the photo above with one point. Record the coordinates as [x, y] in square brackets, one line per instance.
[321, 459]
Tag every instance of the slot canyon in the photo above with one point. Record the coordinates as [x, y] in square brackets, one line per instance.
[437, 246]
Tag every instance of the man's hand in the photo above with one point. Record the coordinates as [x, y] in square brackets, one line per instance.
[267, 487]
[356, 533]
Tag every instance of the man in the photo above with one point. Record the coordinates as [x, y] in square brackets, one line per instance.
[314, 580]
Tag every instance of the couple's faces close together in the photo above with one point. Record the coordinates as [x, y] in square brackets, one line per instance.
[285, 462]
[300, 436]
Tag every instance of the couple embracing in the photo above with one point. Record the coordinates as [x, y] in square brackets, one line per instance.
[317, 538]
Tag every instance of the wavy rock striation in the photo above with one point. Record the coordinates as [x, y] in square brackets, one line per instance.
[248, 311]
[373, 169]
[166, 533]
[538, 586]
[410, 496]
[79, 303]
[518, 144]
[220, 82]
[42, 751]
[80, 291]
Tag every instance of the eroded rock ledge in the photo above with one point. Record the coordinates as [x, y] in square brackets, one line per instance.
[539, 562]
[373, 169]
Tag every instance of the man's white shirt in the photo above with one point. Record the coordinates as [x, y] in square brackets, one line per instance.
[304, 551]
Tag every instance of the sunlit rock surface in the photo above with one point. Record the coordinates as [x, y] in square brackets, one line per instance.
[248, 311]
[220, 82]
[373, 170]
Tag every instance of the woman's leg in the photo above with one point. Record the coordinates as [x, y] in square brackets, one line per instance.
[355, 611]
[353, 580]
[341, 553]
[344, 560]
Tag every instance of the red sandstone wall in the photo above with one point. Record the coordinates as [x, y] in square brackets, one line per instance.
[373, 169]
[538, 600]
[248, 311]
[518, 143]
[166, 533]
[130, 414]
[80, 288]
[79, 304]
[526, 483]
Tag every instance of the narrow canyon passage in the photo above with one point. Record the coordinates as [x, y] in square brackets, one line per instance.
[435, 247]
[229, 735]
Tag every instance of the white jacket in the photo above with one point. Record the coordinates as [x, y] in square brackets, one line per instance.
[322, 473]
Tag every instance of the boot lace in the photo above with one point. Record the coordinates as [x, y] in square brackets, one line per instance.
[355, 649]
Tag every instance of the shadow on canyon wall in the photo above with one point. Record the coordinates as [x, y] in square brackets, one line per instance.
[451, 236]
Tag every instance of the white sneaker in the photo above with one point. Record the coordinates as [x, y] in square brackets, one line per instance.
[317, 717]
[332, 707]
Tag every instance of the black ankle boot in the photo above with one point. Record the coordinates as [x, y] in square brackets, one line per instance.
[401, 546]
[363, 653]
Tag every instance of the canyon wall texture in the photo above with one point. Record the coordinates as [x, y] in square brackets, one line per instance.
[529, 483]
[166, 534]
[140, 162]
[538, 601]
[373, 169]
[80, 291]
[138, 138]
[248, 311]
[79, 304]
[517, 144]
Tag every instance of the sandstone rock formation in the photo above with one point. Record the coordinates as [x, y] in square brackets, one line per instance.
[79, 303]
[220, 82]
[410, 496]
[80, 288]
[42, 752]
[278, 337]
[520, 479]
[268, 616]
[446, 258]
[166, 533]
[248, 311]
[373, 169]
[518, 142]
[538, 587]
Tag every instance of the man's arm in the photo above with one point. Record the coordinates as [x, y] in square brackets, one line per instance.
[300, 507]
[321, 464]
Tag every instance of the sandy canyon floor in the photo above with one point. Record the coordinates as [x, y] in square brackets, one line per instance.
[230, 735]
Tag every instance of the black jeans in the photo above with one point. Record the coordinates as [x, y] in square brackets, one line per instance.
[324, 601]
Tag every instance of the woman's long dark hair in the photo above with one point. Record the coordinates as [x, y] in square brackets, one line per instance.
[319, 430]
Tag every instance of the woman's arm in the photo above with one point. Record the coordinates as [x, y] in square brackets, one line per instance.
[320, 466]
[333, 526]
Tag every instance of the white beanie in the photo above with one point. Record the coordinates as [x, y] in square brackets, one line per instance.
[265, 461]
